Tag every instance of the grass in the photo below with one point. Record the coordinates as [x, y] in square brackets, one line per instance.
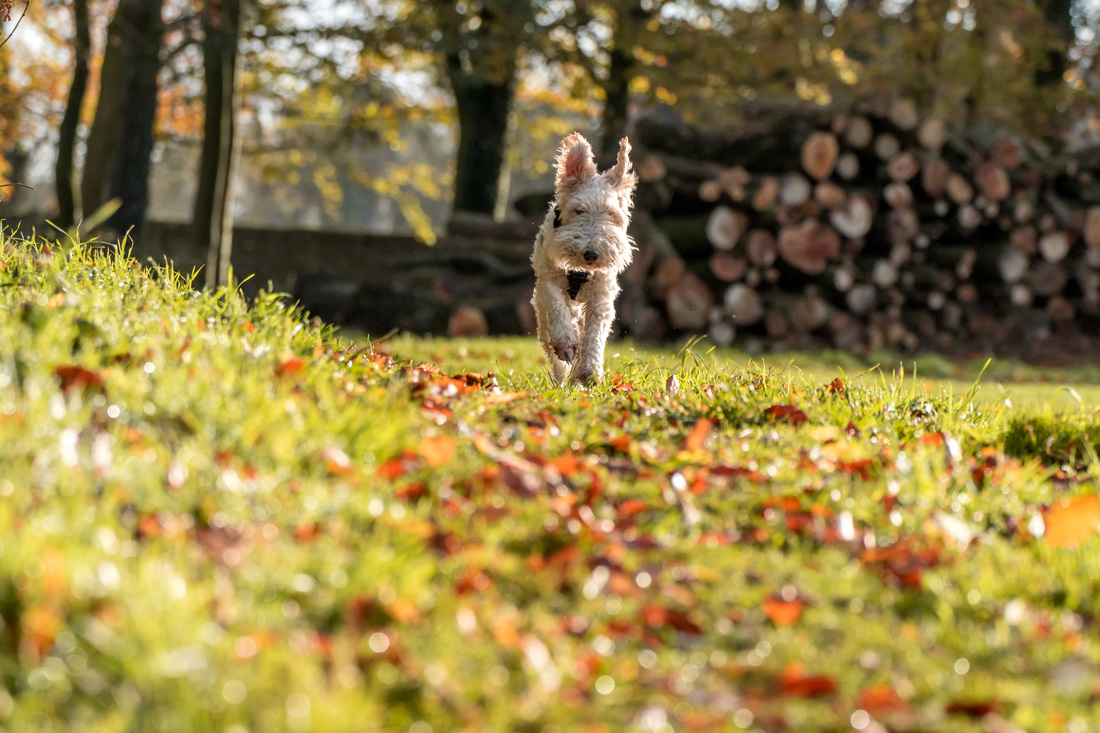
[215, 516]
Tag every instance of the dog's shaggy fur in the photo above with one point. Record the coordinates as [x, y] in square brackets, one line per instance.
[580, 250]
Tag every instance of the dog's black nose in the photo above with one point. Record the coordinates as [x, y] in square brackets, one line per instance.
[590, 256]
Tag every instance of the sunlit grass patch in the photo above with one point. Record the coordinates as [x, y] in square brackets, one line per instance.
[215, 516]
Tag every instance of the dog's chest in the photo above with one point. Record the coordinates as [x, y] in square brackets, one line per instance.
[575, 279]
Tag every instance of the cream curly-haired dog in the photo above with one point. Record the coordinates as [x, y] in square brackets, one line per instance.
[581, 248]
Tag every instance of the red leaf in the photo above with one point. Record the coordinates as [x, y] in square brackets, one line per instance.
[657, 617]
[77, 377]
[837, 387]
[632, 506]
[291, 365]
[794, 683]
[786, 413]
[412, 492]
[904, 561]
[397, 467]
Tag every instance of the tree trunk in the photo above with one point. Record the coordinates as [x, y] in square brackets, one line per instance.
[616, 98]
[212, 223]
[95, 189]
[620, 70]
[1059, 17]
[63, 171]
[484, 104]
[13, 157]
[121, 139]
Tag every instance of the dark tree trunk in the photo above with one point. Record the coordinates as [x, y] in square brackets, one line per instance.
[13, 157]
[616, 102]
[63, 171]
[95, 186]
[1060, 20]
[213, 218]
[122, 133]
[484, 104]
[480, 64]
[620, 70]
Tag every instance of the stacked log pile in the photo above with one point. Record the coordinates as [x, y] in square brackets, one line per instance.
[873, 229]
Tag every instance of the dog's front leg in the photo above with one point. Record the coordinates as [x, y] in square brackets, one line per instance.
[556, 328]
[599, 313]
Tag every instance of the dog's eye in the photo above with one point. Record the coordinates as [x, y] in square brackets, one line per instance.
[577, 211]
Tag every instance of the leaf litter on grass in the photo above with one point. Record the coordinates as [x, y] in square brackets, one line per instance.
[219, 517]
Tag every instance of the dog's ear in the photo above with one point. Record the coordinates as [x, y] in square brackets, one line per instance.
[576, 163]
[622, 175]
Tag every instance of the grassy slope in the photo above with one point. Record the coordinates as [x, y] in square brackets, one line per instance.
[213, 517]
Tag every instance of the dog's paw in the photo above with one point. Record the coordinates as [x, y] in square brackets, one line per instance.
[567, 352]
[585, 375]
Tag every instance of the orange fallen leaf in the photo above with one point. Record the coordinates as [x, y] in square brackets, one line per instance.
[621, 443]
[933, 439]
[698, 435]
[783, 612]
[292, 365]
[567, 465]
[1069, 522]
[881, 698]
[437, 450]
[632, 506]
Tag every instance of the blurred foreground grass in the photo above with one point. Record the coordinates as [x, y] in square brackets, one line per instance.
[215, 517]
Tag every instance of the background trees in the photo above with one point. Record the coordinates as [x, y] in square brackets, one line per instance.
[409, 103]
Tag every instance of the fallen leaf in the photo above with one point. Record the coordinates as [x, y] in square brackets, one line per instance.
[933, 439]
[786, 413]
[657, 617]
[290, 365]
[621, 443]
[632, 506]
[794, 683]
[881, 698]
[437, 450]
[972, 708]
[1069, 522]
[783, 612]
[75, 377]
[567, 465]
[698, 435]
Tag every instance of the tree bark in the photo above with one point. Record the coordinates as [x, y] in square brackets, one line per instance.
[1060, 19]
[121, 139]
[213, 216]
[483, 109]
[63, 171]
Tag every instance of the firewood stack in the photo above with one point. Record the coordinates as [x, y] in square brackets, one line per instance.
[878, 228]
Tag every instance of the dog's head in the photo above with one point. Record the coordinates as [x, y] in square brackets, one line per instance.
[592, 209]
